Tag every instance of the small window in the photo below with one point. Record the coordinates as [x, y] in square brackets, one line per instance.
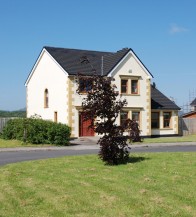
[134, 86]
[55, 117]
[46, 98]
[136, 116]
[166, 119]
[123, 117]
[155, 120]
[85, 85]
[124, 86]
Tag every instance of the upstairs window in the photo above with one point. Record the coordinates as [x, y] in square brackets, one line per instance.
[166, 119]
[85, 85]
[155, 120]
[129, 85]
[134, 86]
[124, 86]
[46, 98]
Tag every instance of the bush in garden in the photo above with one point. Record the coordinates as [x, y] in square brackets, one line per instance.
[37, 131]
[58, 134]
[13, 129]
[102, 106]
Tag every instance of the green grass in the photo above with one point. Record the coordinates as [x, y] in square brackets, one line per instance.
[189, 138]
[161, 184]
[16, 143]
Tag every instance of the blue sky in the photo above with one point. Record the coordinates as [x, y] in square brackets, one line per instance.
[161, 33]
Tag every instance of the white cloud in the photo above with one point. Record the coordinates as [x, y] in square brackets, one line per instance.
[177, 29]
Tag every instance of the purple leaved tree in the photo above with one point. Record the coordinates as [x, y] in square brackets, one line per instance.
[102, 107]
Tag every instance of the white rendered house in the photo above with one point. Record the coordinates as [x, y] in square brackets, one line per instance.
[51, 90]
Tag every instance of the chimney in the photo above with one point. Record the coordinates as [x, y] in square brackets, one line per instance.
[153, 85]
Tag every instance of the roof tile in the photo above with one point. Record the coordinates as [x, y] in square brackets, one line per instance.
[160, 101]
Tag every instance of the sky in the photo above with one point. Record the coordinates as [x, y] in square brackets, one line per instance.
[161, 32]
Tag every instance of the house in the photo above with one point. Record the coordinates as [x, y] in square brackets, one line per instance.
[51, 90]
[192, 113]
[193, 105]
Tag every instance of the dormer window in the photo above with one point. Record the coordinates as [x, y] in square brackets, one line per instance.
[46, 98]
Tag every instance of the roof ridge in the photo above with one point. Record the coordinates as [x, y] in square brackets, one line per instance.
[63, 48]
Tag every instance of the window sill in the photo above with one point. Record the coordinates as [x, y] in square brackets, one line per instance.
[129, 94]
[162, 128]
[166, 128]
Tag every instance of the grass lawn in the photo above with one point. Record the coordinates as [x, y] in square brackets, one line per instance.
[189, 138]
[161, 184]
[15, 143]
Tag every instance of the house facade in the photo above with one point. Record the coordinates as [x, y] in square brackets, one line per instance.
[51, 90]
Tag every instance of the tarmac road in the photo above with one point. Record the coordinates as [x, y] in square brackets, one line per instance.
[14, 155]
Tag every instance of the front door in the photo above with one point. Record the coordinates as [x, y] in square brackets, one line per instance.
[84, 129]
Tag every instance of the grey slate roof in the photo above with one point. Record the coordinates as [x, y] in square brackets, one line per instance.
[193, 102]
[160, 101]
[102, 62]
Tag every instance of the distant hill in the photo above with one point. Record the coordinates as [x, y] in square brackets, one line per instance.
[19, 113]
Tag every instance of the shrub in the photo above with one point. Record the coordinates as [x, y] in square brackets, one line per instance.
[102, 106]
[13, 129]
[58, 134]
[37, 131]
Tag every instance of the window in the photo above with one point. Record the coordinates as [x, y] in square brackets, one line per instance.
[123, 117]
[166, 119]
[55, 117]
[130, 85]
[85, 85]
[136, 116]
[46, 98]
[134, 86]
[155, 120]
[124, 86]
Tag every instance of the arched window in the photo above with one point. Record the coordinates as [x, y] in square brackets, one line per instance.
[46, 98]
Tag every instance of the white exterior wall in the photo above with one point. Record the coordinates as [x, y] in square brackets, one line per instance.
[76, 107]
[49, 75]
[131, 68]
[64, 100]
[138, 102]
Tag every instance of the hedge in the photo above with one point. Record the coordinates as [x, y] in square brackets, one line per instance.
[37, 131]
